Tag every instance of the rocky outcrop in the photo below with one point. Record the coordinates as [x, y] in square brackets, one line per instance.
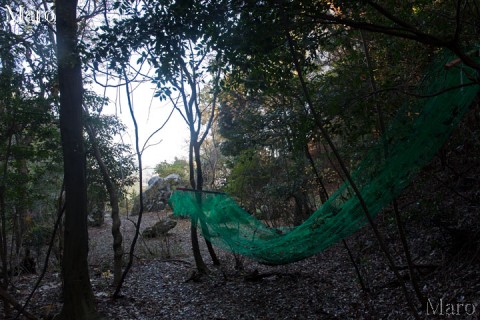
[156, 196]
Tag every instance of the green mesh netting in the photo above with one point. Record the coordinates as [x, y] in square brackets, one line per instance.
[418, 131]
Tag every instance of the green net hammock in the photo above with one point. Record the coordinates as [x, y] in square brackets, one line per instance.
[421, 127]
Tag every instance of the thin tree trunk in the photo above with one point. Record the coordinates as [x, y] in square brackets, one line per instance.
[11, 300]
[200, 264]
[116, 294]
[357, 269]
[4, 281]
[7, 64]
[116, 222]
[21, 209]
[349, 178]
[193, 117]
[56, 228]
[324, 193]
[79, 301]
[3, 251]
[323, 190]
[198, 161]
[401, 230]
[191, 164]
[117, 241]
[197, 255]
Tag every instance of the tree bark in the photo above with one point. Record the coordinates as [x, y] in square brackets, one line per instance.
[116, 294]
[398, 220]
[21, 208]
[193, 118]
[200, 264]
[323, 190]
[346, 172]
[77, 291]
[4, 281]
[198, 162]
[7, 88]
[116, 222]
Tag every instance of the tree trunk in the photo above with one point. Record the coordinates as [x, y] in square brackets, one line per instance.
[4, 281]
[7, 88]
[191, 164]
[398, 220]
[323, 190]
[319, 122]
[3, 251]
[198, 162]
[77, 291]
[200, 264]
[117, 242]
[116, 223]
[20, 208]
[302, 209]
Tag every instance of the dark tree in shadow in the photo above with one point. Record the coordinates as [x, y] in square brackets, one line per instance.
[77, 291]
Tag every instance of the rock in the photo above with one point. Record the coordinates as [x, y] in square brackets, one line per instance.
[160, 228]
[96, 217]
[156, 196]
[174, 177]
[96, 210]
[153, 180]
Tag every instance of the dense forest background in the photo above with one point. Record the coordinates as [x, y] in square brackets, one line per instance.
[282, 99]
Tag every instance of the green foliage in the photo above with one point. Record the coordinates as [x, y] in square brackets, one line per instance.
[163, 30]
[178, 166]
[248, 176]
[116, 156]
[29, 135]
[215, 170]
[31, 170]
[415, 136]
[39, 234]
[265, 134]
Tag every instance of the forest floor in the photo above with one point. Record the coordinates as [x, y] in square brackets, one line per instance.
[441, 215]
[322, 287]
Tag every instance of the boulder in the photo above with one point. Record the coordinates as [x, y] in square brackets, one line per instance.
[156, 196]
[173, 177]
[96, 216]
[153, 180]
[160, 228]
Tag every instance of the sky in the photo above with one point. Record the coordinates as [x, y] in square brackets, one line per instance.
[168, 143]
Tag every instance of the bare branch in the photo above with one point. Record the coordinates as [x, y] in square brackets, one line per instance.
[155, 132]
